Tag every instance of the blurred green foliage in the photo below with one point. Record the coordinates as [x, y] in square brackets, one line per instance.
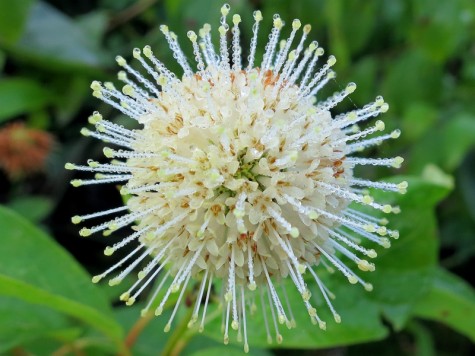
[420, 55]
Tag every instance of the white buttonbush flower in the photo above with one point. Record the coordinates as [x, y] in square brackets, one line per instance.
[238, 174]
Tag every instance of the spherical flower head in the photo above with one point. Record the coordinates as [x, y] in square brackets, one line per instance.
[23, 150]
[238, 174]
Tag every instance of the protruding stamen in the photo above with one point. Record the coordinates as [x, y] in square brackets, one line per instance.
[318, 53]
[264, 314]
[319, 75]
[370, 253]
[119, 278]
[292, 231]
[283, 56]
[199, 298]
[177, 304]
[236, 46]
[291, 323]
[271, 45]
[348, 273]
[275, 297]
[155, 293]
[392, 187]
[231, 290]
[210, 283]
[175, 47]
[164, 71]
[159, 309]
[97, 278]
[252, 284]
[109, 250]
[226, 328]
[196, 50]
[388, 162]
[122, 62]
[278, 336]
[361, 145]
[137, 55]
[223, 43]
[332, 101]
[253, 46]
[362, 264]
[131, 299]
[243, 310]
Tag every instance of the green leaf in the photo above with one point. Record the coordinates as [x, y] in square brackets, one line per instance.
[20, 95]
[403, 272]
[94, 24]
[21, 322]
[450, 301]
[425, 86]
[417, 119]
[36, 270]
[358, 28]
[434, 174]
[466, 178]
[227, 350]
[337, 41]
[13, 15]
[440, 30]
[75, 91]
[53, 40]
[32, 208]
[445, 146]
[364, 74]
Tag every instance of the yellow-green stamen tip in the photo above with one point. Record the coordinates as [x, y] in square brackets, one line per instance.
[85, 232]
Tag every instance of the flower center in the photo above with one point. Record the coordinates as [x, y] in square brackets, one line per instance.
[236, 154]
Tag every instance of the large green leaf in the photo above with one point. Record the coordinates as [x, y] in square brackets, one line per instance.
[21, 95]
[21, 322]
[358, 29]
[447, 145]
[466, 176]
[36, 270]
[13, 15]
[450, 301]
[33, 208]
[55, 41]
[441, 29]
[403, 272]
[422, 81]
[417, 120]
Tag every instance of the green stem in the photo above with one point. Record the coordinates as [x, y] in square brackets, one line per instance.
[180, 336]
[136, 329]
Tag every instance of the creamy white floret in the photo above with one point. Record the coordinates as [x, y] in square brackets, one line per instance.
[238, 173]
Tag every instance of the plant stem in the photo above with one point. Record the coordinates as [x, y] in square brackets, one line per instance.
[180, 336]
[137, 328]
